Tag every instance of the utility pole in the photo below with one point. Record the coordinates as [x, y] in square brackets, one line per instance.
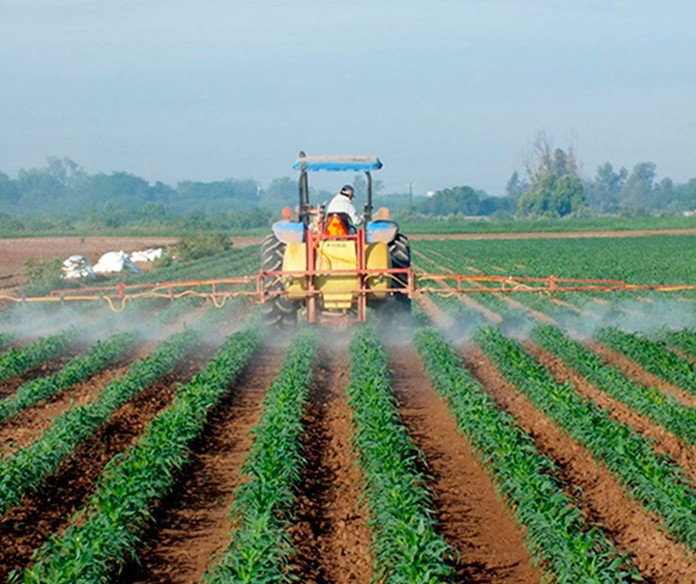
[410, 196]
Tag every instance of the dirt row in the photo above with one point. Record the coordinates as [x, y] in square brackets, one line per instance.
[331, 532]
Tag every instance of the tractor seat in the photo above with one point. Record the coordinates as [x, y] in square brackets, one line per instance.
[338, 224]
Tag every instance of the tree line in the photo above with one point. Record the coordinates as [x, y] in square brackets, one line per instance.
[61, 195]
[552, 187]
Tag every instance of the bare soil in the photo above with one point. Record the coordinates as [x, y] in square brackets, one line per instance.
[26, 527]
[10, 385]
[192, 523]
[14, 252]
[331, 534]
[600, 496]
[330, 531]
[664, 441]
[20, 430]
[639, 375]
[489, 544]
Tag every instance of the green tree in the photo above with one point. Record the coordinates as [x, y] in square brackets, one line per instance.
[39, 191]
[665, 194]
[553, 196]
[9, 193]
[639, 191]
[556, 189]
[516, 186]
[360, 186]
[455, 200]
[63, 170]
[216, 196]
[282, 192]
[686, 195]
[604, 192]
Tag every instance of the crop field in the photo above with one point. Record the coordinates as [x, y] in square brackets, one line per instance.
[517, 438]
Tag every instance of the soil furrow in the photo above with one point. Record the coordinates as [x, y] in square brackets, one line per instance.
[25, 427]
[27, 527]
[435, 314]
[191, 524]
[658, 557]
[331, 534]
[636, 373]
[665, 442]
[9, 386]
[472, 516]
[20, 430]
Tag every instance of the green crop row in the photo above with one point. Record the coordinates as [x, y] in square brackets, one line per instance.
[406, 546]
[15, 361]
[165, 312]
[653, 356]
[76, 370]
[260, 547]
[662, 408]
[28, 467]
[683, 340]
[453, 306]
[236, 261]
[557, 533]
[662, 259]
[105, 532]
[634, 260]
[656, 481]
[5, 339]
[494, 301]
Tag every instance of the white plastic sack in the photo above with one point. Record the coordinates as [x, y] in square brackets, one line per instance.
[148, 255]
[75, 267]
[115, 261]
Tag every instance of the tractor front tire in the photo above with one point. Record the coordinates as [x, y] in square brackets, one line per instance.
[277, 311]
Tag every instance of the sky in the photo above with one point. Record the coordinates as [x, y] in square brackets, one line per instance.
[445, 92]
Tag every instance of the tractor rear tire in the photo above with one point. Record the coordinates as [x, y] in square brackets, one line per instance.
[278, 311]
[400, 254]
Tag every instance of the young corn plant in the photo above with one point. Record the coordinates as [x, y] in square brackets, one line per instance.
[16, 361]
[650, 402]
[105, 532]
[27, 468]
[5, 339]
[655, 480]
[78, 369]
[406, 546]
[683, 340]
[653, 356]
[260, 546]
[571, 550]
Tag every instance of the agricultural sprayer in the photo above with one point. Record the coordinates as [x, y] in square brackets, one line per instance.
[319, 266]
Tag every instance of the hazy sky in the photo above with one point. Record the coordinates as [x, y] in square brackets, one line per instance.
[446, 92]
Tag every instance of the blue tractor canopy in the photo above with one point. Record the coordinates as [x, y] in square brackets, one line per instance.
[340, 163]
[334, 163]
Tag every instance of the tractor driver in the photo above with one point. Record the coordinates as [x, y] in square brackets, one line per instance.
[341, 203]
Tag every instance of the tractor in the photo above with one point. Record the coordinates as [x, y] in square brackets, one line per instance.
[320, 266]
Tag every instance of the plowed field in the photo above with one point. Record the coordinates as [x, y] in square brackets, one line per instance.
[331, 529]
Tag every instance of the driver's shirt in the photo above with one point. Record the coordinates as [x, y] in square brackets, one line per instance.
[341, 204]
